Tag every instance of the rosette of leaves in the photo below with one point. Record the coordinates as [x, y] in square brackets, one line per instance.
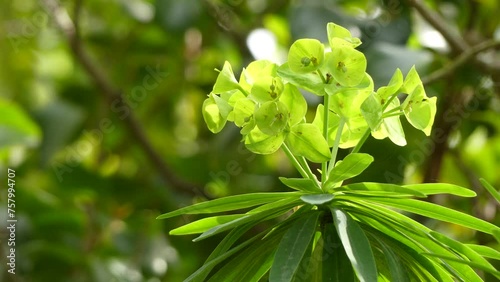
[328, 231]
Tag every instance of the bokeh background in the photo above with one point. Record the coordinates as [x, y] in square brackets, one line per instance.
[100, 117]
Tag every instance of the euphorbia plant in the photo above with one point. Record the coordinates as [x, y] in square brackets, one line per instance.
[329, 231]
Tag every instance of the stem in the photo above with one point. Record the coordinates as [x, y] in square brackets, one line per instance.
[361, 141]
[294, 160]
[392, 115]
[335, 148]
[322, 76]
[326, 114]
[243, 90]
[308, 170]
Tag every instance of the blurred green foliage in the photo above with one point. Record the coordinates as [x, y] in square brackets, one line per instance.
[87, 193]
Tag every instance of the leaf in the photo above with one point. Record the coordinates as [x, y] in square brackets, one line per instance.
[266, 88]
[306, 55]
[441, 188]
[396, 268]
[490, 189]
[317, 199]
[372, 112]
[271, 117]
[295, 103]
[250, 264]
[394, 85]
[212, 115]
[243, 111]
[308, 81]
[254, 70]
[338, 32]
[292, 247]
[469, 263]
[260, 143]
[230, 203]
[306, 140]
[356, 246]
[438, 212]
[352, 165]
[420, 112]
[346, 64]
[375, 187]
[412, 81]
[204, 224]
[225, 80]
[16, 127]
[463, 250]
[336, 266]
[254, 217]
[485, 251]
[301, 184]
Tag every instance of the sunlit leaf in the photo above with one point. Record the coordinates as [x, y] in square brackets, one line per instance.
[306, 140]
[494, 193]
[225, 80]
[336, 32]
[271, 117]
[305, 55]
[308, 81]
[260, 143]
[346, 65]
[441, 188]
[372, 111]
[212, 115]
[352, 165]
[229, 203]
[204, 224]
[243, 111]
[266, 88]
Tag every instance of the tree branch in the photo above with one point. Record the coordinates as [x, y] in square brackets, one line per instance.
[112, 94]
[463, 58]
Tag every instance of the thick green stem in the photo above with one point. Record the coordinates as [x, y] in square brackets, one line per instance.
[326, 110]
[294, 161]
[335, 148]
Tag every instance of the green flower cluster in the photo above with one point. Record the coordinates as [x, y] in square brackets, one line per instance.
[270, 110]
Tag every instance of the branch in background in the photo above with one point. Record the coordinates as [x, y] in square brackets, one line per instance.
[455, 40]
[463, 58]
[111, 94]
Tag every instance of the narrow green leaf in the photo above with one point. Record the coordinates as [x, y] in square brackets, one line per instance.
[356, 246]
[230, 203]
[292, 247]
[469, 263]
[352, 165]
[204, 224]
[306, 140]
[254, 217]
[438, 212]
[300, 184]
[371, 186]
[250, 264]
[462, 249]
[317, 199]
[398, 273]
[491, 189]
[336, 266]
[485, 251]
[441, 188]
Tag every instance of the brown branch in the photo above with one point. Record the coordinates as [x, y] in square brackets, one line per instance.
[112, 94]
[462, 59]
[455, 40]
